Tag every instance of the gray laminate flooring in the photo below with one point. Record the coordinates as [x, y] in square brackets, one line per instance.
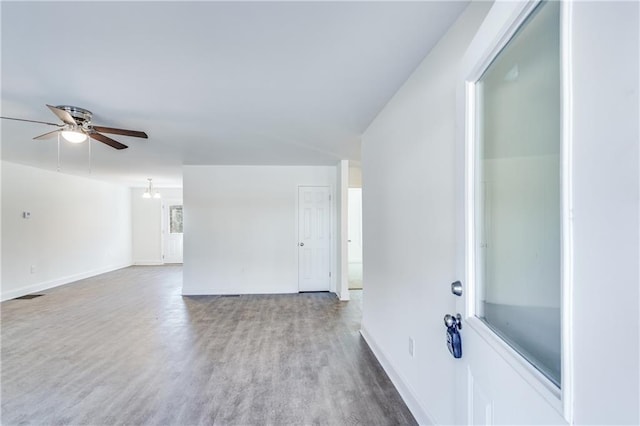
[127, 348]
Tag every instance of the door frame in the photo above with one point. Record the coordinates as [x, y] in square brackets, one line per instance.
[504, 19]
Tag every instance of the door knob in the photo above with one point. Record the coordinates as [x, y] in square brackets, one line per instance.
[301, 244]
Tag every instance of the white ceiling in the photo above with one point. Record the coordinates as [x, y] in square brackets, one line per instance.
[210, 82]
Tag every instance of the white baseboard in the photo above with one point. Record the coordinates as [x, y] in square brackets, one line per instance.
[148, 263]
[406, 392]
[44, 285]
[228, 291]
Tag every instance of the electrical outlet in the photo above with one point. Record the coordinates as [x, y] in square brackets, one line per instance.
[33, 269]
[412, 347]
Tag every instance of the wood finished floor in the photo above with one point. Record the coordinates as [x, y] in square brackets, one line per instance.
[127, 348]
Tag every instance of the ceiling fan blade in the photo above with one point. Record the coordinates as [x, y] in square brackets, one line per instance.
[63, 115]
[134, 133]
[48, 135]
[31, 121]
[104, 139]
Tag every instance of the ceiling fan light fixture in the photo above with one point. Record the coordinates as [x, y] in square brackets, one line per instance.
[74, 136]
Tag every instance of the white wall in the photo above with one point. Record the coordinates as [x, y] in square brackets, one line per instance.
[240, 227]
[1, 228]
[408, 225]
[355, 225]
[78, 228]
[606, 212]
[146, 216]
[355, 176]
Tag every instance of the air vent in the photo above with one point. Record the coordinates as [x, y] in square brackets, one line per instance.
[28, 296]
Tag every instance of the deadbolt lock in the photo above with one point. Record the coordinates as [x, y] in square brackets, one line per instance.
[456, 288]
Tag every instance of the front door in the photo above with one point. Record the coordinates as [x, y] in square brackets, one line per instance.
[314, 238]
[172, 224]
[511, 251]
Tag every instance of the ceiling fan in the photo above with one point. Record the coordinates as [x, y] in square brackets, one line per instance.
[77, 127]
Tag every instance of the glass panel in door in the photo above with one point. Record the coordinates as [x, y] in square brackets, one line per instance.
[175, 219]
[518, 207]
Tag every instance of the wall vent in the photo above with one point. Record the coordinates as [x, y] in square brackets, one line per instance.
[28, 296]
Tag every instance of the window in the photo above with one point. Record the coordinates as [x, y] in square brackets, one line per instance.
[175, 219]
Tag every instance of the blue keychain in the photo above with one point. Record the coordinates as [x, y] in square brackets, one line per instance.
[454, 341]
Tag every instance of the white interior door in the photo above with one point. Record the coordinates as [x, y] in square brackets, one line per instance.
[510, 262]
[314, 238]
[354, 257]
[172, 230]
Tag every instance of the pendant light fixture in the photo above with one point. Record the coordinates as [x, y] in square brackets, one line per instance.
[149, 192]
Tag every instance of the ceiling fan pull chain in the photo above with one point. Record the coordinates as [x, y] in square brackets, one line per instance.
[89, 141]
[58, 151]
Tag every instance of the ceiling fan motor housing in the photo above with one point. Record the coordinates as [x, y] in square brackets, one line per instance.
[81, 115]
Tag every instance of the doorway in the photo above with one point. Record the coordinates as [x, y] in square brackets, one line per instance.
[354, 254]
